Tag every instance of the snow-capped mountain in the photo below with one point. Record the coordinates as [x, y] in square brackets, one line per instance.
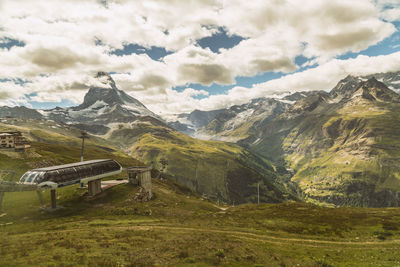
[106, 107]
[233, 123]
[390, 79]
[347, 86]
[237, 121]
[102, 105]
[190, 123]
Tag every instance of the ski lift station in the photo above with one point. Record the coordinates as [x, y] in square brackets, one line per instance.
[90, 172]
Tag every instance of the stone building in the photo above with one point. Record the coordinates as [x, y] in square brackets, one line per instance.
[13, 140]
[141, 176]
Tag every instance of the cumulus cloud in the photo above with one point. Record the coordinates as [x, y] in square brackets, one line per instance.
[205, 73]
[67, 42]
[264, 65]
[389, 9]
[4, 95]
[57, 58]
[323, 77]
[152, 80]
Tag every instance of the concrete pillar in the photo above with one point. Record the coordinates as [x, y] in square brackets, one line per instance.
[39, 194]
[53, 198]
[94, 187]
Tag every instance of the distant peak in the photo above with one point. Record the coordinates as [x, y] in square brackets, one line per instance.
[346, 87]
[373, 82]
[349, 77]
[102, 73]
[106, 79]
[372, 89]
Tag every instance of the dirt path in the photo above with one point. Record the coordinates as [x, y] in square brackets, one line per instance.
[237, 234]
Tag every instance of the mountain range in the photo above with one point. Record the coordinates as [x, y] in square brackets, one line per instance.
[228, 124]
[333, 148]
[218, 170]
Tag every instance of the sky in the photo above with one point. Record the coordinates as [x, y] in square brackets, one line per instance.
[176, 56]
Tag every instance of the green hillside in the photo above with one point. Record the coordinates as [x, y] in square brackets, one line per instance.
[54, 146]
[220, 170]
[344, 153]
[179, 228]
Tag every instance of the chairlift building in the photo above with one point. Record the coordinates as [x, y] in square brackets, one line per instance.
[90, 172]
[68, 174]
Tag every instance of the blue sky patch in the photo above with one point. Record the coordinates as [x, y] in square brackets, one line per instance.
[213, 89]
[221, 39]
[48, 105]
[217, 89]
[155, 53]
[8, 43]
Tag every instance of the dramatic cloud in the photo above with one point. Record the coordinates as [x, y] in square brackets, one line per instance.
[57, 58]
[205, 73]
[323, 77]
[4, 95]
[56, 47]
[284, 64]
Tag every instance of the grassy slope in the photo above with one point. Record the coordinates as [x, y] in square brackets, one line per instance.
[178, 228]
[354, 148]
[345, 155]
[219, 170]
[241, 131]
[55, 146]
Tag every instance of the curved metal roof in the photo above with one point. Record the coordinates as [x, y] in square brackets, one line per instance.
[68, 174]
[51, 168]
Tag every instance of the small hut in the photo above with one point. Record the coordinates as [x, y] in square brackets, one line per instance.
[141, 176]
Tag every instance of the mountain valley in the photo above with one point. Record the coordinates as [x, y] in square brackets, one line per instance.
[330, 148]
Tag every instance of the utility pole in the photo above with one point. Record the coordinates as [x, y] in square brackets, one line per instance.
[83, 136]
[258, 193]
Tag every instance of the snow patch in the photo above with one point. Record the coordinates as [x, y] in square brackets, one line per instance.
[357, 94]
[240, 118]
[287, 102]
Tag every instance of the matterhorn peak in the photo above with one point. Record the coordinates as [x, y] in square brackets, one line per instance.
[102, 73]
[105, 79]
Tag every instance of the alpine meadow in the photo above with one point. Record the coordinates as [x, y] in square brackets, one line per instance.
[200, 133]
